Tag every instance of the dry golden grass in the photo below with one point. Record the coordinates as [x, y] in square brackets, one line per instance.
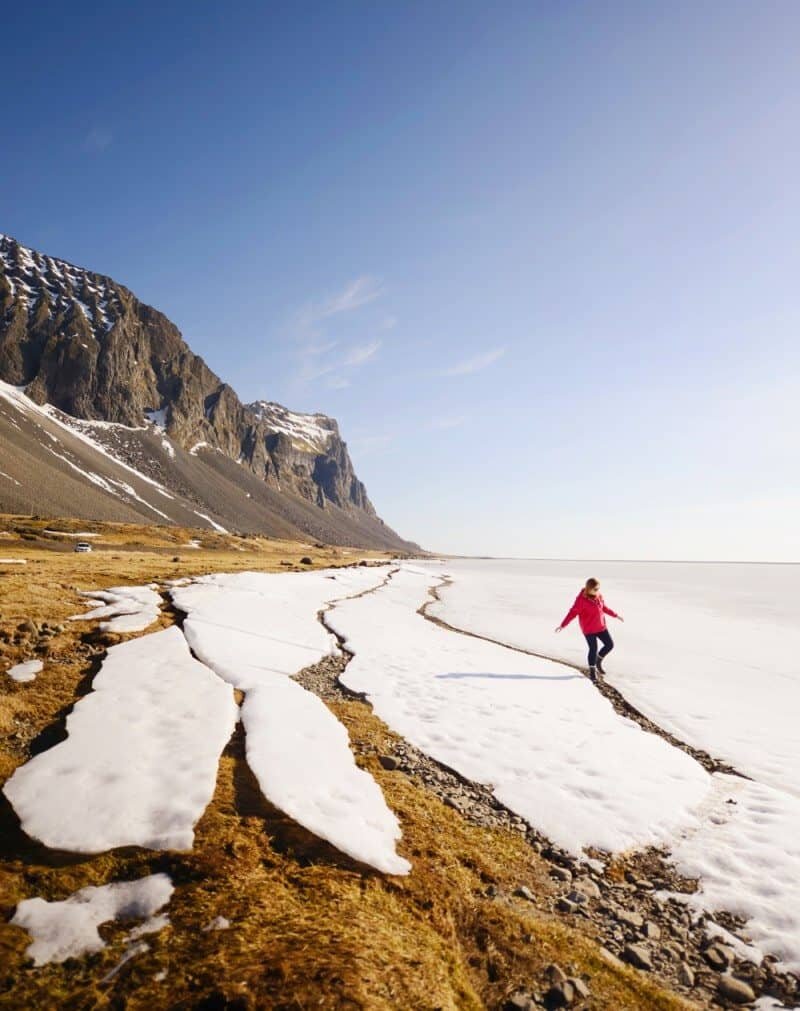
[309, 927]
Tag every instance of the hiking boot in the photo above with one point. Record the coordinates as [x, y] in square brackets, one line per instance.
[600, 665]
[593, 674]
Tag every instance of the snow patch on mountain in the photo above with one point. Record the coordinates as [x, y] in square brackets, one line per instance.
[310, 432]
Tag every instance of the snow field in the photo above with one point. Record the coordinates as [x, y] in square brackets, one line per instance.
[68, 929]
[256, 629]
[131, 608]
[709, 652]
[139, 764]
[552, 748]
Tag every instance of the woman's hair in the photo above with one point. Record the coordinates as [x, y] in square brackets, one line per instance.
[591, 584]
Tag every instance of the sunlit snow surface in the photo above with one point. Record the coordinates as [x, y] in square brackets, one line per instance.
[711, 652]
[139, 764]
[551, 746]
[254, 629]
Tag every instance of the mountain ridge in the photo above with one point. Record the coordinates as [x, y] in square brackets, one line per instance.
[82, 344]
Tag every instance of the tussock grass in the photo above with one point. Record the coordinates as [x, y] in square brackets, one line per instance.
[310, 928]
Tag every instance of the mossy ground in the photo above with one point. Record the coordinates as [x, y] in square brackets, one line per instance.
[309, 928]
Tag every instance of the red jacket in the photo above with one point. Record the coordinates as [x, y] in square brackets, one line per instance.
[590, 612]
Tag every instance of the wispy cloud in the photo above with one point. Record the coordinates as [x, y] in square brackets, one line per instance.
[338, 383]
[360, 291]
[362, 353]
[475, 364]
[98, 139]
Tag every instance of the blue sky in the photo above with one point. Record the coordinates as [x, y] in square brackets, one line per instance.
[539, 259]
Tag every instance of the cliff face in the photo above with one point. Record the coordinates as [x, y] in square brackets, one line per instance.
[86, 345]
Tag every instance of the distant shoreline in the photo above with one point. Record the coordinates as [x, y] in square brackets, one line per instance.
[606, 561]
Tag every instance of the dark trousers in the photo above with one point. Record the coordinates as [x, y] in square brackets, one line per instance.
[607, 641]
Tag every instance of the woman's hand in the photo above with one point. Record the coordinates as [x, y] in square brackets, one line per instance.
[620, 618]
[558, 629]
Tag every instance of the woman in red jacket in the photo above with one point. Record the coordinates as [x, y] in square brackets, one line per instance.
[590, 609]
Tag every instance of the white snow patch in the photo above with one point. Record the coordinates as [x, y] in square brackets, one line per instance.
[8, 476]
[25, 671]
[213, 523]
[13, 561]
[303, 429]
[68, 929]
[131, 608]
[197, 447]
[140, 760]
[254, 629]
[170, 449]
[157, 418]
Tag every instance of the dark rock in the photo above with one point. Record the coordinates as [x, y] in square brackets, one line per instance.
[560, 995]
[561, 874]
[519, 1002]
[523, 892]
[685, 974]
[565, 906]
[305, 560]
[638, 956]
[718, 956]
[554, 973]
[388, 762]
[736, 990]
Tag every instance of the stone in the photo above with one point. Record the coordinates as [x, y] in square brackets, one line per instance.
[651, 931]
[610, 957]
[389, 762]
[560, 995]
[554, 973]
[580, 987]
[565, 906]
[305, 560]
[578, 898]
[638, 956]
[588, 887]
[519, 1002]
[630, 919]
[718, 956]
[685, 974]
[561, 874]
[736, 990]
[523, 892]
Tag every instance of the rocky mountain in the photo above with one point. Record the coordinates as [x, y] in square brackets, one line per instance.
[80, 352]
